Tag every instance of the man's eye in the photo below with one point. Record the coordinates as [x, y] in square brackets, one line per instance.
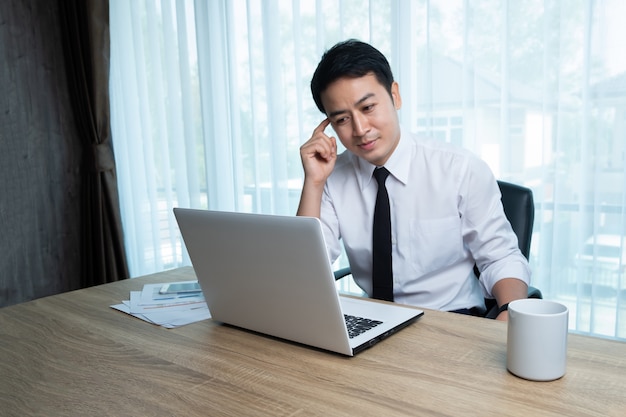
[368, 108]
[341, 120]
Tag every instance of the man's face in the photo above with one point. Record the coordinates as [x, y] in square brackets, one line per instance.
[364, 116]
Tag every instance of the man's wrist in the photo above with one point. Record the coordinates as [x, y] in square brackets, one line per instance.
[503, 307]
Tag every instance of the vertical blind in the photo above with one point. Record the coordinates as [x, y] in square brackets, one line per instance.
[210, 103]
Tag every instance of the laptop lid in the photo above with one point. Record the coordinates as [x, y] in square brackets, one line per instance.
[271, 274]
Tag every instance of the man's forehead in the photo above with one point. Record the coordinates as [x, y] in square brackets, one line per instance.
[350, 92]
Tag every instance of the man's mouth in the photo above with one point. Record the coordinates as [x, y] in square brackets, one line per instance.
[369, 145]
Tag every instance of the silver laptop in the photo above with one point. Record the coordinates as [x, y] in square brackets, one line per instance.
[271, 274]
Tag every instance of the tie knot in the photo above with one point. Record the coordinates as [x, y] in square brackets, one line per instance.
[381, 175]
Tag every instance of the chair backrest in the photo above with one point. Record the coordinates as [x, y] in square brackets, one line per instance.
[519, 208]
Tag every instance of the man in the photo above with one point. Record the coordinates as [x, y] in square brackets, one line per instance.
[444, 203]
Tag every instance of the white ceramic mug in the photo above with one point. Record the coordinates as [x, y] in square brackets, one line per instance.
[537, 339]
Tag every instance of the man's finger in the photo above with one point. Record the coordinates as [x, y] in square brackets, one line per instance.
[322, 126]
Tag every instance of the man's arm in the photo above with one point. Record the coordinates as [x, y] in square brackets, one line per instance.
[310, 199]
[504, 270]
[507, 290]
[318, 157]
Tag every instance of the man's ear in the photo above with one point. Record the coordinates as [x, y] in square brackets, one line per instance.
[395, 95]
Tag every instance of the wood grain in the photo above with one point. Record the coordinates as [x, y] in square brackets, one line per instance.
[72, 355]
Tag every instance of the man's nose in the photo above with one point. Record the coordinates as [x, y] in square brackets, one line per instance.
[360, 124]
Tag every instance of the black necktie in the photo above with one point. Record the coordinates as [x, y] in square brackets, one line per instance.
[382, 274]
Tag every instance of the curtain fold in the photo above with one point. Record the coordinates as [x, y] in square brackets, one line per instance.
[86, 46]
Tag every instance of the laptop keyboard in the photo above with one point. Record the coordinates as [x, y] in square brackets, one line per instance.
[358, 325]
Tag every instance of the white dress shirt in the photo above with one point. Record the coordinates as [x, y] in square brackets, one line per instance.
[446, 215]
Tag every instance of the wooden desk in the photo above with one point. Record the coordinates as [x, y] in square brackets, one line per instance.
[72, 355]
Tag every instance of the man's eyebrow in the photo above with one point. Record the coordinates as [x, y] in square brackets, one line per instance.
[361, 100]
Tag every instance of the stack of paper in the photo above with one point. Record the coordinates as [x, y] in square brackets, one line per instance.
[167, 310]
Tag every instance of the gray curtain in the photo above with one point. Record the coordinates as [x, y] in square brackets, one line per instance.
[58, 220]
[86, 46]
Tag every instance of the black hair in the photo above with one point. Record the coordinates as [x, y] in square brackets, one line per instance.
[353, 59]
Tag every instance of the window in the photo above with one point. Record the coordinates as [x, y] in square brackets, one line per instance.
[210, 103]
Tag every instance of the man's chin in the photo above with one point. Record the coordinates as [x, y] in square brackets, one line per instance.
[372, 157]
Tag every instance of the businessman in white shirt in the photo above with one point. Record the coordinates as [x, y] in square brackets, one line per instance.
[444, 202]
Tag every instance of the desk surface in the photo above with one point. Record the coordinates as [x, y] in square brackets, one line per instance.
[72, 355]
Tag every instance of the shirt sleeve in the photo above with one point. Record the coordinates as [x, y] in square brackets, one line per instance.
[330, 227]
[486, 231]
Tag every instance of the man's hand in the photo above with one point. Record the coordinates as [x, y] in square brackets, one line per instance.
[318, 155]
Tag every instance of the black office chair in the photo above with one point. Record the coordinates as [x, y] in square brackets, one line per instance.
[519, 208]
